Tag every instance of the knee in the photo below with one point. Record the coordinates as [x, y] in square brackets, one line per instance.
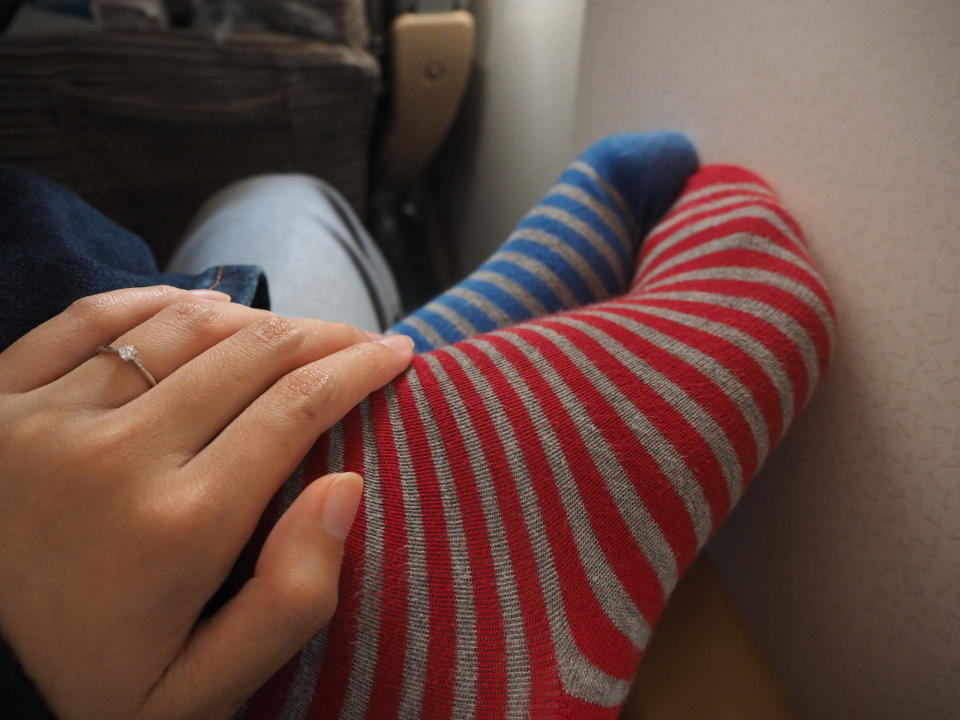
[286, 194]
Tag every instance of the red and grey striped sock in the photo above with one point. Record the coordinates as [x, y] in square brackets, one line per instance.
[534, 493]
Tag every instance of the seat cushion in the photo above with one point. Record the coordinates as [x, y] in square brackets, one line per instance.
[146, 126]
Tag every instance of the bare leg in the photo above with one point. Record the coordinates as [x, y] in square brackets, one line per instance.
[702, 661]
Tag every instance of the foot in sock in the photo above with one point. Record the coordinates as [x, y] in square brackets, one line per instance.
[576, 247]
[534, 493]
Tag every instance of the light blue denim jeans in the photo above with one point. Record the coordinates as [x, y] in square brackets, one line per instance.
[319, 260]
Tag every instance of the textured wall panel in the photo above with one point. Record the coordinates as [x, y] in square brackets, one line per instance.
[846, 554]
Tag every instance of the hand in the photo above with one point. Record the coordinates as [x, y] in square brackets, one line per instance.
[124, 507]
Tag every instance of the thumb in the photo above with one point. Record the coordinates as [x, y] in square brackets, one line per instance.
[291, 596]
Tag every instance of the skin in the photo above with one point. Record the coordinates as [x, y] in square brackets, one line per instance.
[702, 661]
[124, 507]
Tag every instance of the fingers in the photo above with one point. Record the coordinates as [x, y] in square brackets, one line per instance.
[172, 337]
[252, 456]
[164, 342]
[291, 596]
[215, 387]
[65, 341]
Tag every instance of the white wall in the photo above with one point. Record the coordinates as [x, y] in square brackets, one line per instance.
[512, 138]
[846, 553]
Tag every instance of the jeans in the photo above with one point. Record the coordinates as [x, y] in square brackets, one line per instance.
[54, 248]
[320, 260]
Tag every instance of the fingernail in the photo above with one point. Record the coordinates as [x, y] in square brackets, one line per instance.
[340, 505]
[212, 295]
[373, 335]
[400, 343]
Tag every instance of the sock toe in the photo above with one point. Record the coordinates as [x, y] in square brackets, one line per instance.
[646, 170]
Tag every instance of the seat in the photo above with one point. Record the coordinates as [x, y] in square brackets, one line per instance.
[146, 125]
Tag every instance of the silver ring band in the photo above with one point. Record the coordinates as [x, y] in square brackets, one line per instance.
[128, 353]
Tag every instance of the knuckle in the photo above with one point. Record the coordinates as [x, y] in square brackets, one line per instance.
[93, 309]
[179, 517]
[117, 433]
[342, 330]
[372, 355]
[373, 352]
[192, 314]
[341, 327]
[186, 515]
[88, 449]
[165, 292]
[274, 331]
[113, 441]
[31, 429]
[310, 388]
[308, 599]
[90, 310]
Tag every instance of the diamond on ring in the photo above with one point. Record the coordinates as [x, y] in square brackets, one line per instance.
[127, 353]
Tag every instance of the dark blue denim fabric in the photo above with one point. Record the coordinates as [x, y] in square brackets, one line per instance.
[54, 248]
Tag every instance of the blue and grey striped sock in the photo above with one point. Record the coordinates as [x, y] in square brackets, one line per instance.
[578, 246]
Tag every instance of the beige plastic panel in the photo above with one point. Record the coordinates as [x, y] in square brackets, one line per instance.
[431, 55]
